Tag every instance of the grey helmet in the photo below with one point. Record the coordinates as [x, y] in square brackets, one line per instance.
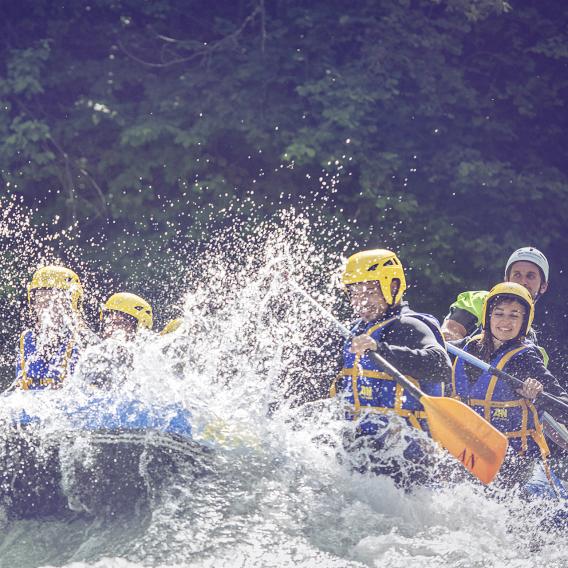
[529, 254]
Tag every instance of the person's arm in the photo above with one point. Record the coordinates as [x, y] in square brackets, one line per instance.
[464, 316]
[411, 346]
[531, 366]
[453, 330]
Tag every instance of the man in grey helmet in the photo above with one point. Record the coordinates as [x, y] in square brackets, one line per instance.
[526, 266]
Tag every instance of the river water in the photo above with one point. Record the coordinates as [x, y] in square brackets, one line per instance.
[269, 490]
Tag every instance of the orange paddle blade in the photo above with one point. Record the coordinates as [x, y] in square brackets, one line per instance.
[466, 435]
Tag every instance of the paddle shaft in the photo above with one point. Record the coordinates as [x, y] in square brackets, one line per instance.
[501, 374]
[555, 431]
[380, 361]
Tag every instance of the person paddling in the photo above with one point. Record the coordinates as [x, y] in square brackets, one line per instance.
[107, 364]
[412, 342]
[507, 314]
[48, 351]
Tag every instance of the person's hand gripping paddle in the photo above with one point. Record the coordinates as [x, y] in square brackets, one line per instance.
[467, 436]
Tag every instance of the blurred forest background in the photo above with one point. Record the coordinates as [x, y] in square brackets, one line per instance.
[435, 127]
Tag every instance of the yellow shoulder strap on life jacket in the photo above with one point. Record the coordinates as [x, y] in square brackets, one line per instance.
[333, 388]
[492, 384]
[380, 325]
[24, 383]
[354, 376]
[538, 435]
[22, 352]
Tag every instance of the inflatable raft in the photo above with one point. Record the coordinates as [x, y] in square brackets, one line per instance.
[100, 457]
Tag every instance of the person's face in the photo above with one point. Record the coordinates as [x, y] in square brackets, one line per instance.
[528, 275]
[50, 303]
[367, 300]
[115, 322]
[507, 319]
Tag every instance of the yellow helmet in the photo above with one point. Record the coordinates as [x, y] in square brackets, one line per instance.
[132, 305]
[171, 326]
[378, 265]
[510, 290]
[58, 278]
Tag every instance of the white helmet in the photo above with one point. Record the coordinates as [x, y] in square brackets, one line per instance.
[529, 254]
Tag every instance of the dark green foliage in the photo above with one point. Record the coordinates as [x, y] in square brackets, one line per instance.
[443, 121]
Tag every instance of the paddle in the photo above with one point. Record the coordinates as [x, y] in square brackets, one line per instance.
[555, 431]
[502, 374]
[458, 428]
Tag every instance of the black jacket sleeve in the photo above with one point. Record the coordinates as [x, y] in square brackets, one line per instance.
[468, 320]
[411, 346]
[532, 366]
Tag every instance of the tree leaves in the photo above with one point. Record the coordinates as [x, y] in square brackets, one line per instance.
[438, 118]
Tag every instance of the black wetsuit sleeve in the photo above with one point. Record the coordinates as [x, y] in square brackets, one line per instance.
[531, 365]
[465, 318]
[411, 346]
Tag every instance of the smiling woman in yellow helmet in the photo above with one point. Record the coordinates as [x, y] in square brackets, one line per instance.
[411, 341]
[127, 313]
[48, 351]
[507, 315]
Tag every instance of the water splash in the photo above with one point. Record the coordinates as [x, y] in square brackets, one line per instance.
[272, 491]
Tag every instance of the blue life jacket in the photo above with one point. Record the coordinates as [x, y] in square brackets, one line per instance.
[496, 400]
[367, 389]
[33, 372]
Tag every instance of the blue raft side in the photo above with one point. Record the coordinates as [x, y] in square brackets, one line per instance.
[105, 413]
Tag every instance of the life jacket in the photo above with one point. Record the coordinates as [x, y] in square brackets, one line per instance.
[368, 390]
[496, 400]
[35, 372]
